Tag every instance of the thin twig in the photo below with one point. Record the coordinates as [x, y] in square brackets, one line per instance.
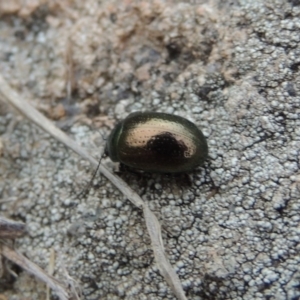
[10, 229]
[32, 268]
[50, 270]
[164, 265]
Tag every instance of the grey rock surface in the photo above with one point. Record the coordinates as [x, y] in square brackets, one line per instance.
[231, 229]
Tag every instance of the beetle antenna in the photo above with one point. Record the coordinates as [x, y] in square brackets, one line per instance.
[104, 138]
[89, 185]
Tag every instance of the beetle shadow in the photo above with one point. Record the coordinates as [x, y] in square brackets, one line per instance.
[148, 180]
[127, 172]
[142, 181]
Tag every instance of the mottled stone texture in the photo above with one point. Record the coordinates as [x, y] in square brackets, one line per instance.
[231, 231]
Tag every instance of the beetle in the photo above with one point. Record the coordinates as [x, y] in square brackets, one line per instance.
[157, 142]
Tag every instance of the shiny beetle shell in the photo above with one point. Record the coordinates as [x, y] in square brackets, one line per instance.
[157, 142]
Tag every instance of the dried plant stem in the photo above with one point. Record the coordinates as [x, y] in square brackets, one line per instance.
[152, 223]
[50, 270]
[10, 229]
[32, 268]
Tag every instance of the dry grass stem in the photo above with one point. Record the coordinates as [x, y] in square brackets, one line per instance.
[10, 229]
[164, 265]
[35, 270]
[50, 270]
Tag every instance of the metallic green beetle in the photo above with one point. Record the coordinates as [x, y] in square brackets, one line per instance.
[157, 142]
